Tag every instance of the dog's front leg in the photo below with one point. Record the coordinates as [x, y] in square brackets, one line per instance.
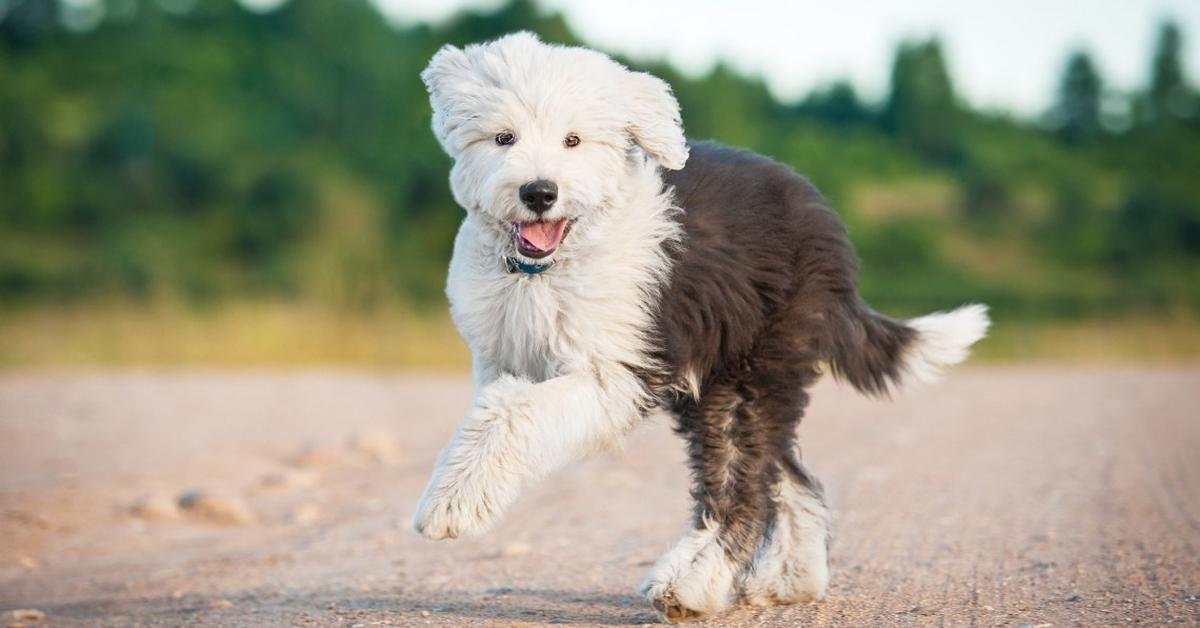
[519, 430]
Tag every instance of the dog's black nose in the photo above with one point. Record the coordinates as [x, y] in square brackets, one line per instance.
[539, 195]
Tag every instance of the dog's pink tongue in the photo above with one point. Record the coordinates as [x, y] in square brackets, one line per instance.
[543, 235]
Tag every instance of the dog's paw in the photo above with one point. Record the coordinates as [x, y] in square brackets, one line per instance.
[465, 496]
[448, 512]
[693, 596]
[692, 581]
[478, 474]
[671, 610]
[663, 598]
[789, 570]
[793, 584]
[793, 564]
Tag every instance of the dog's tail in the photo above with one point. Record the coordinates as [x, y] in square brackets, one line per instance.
[876, 353]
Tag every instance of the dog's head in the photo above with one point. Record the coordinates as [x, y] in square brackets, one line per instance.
[542, 136]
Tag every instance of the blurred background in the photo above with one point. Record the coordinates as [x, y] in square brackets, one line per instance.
[255, 183]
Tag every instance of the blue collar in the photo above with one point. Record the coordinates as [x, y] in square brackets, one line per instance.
[513, 265]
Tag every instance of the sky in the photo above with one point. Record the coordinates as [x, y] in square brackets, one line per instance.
[1002, 54]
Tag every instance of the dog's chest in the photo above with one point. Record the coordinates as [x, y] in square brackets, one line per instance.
[591, 311]
[527, 326]
[543, 326]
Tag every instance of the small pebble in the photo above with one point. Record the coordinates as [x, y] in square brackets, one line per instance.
[425, 613]
[513, 550]
[312, 456]
[290, 479]
[1073, 597]
[216, 509]
[26, 614]
[378, 446]
[156, 508]
[306, 513]
[215, 604]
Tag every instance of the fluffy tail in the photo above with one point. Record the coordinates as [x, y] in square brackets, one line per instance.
[876, 353]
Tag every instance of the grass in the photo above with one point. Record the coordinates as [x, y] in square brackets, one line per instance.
[244, 334]
[1108, 341]
[284, 334]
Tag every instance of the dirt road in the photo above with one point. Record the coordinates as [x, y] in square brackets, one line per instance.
[1002, 497]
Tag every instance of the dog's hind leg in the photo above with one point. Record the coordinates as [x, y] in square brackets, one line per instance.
[698, 576]
[737, 433]
[793, 563]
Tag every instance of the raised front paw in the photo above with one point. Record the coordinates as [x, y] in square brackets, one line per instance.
[480, 471]
[452, 509]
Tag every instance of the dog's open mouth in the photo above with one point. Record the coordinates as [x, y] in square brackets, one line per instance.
[541, 238]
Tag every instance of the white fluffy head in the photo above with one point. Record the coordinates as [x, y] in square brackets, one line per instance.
[541, 94]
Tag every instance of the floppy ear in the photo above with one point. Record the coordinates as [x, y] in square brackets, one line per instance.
[446, 77]
[654, 121]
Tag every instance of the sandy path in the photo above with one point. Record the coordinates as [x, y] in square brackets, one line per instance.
[1011, 497]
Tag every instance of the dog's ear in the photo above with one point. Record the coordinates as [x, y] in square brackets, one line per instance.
[654, 121]
[447, 78]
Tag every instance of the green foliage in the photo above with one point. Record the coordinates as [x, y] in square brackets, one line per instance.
[1159, 221]
[837, 104]
[205, 152]
[921, 107]
[1077, 113]
[1168, 99]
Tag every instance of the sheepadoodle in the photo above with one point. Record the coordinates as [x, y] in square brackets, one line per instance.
[608, 269]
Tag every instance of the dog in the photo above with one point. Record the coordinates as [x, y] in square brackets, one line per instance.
[607, 269]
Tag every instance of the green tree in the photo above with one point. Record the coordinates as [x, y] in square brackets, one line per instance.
[837, 104]
[1076, 115]
[1168, 97]
[921, 107]
[27, 24]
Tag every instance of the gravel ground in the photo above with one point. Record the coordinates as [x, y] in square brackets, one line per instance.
[1031, 496]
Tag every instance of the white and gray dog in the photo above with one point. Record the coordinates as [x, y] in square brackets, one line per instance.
[607, 269]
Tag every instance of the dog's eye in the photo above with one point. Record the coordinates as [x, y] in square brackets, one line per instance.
[504, 138]
[571, 141]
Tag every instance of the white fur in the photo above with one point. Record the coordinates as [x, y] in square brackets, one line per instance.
[943, 340]
[517, 430]
[541, 93]
[695, 574]
[793, 565]
[553, 353]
